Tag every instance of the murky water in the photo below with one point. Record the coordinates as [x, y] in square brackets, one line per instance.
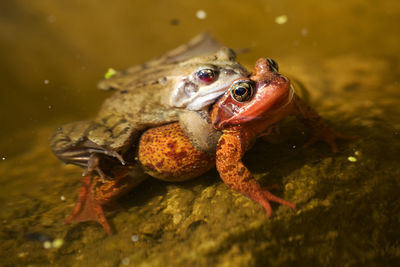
[345, 52]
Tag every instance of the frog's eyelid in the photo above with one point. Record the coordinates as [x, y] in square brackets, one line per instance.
[207, 67]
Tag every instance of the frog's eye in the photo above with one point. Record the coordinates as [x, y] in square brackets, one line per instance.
[206, 76]
[273, 64]
[242, 91]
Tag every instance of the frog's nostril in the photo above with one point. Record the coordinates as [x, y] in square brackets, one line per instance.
[228, 71]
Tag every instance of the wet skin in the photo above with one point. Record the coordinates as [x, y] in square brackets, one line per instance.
[246, 111]
[186, 79]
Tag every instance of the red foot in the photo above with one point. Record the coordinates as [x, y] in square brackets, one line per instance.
[87, 208]
[264, 197]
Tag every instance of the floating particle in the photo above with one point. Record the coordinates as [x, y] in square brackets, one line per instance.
[46, 81]
[47, 244]
[281, 19]
[135, 238]
[49, 106]
[3, 158]
[304, 31]
[201, 14]
[22, 254]
[352, 159]
[110, 72]
[51, 19]
[58, 242]
[126, 261]
[174, 22]
[62, 198]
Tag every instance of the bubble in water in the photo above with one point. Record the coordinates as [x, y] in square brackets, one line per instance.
[126, 261]
[201, 14]
[51, 19]
[135, 238]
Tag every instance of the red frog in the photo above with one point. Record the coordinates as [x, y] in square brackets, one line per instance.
[246, 111]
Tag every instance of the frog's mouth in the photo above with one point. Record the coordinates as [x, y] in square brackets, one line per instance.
[270, 99]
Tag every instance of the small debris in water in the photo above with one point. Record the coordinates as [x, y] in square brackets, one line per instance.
[22, 254]
[58, 242]
[62, 198]
[51, 19]
[201, 14]
[304, 31]
[135, 238]
[281, 19]
[126, 261]
[294, 147]
[352, 159]
[46, 81]
[357, 153]
[49, 107]
[110, 72]
[3, 158]
[174, 22]
[47, 244]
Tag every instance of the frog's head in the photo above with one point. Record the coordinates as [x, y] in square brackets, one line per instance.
[262, 95]
[206, 78]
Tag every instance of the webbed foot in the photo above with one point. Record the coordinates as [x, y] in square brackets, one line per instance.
[263, 197]
[87, 208]
[94, 193]
[327, 135]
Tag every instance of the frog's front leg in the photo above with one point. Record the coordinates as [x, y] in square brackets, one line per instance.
[80, 143]
[230, 149]
[320, 131]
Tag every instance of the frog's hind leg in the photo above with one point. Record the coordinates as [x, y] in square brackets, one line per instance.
[86, 207]
[79, 143]
[94, 193]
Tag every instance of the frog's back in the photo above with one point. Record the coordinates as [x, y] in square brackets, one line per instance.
[128, 112]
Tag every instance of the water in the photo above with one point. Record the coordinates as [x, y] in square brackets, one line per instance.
[345, 52]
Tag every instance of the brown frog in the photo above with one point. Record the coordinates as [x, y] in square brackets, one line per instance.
[188, 78]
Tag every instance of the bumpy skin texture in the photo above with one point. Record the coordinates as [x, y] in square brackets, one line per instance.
[149, 95]
[233, 172]
[243, 121]
[166, 153]
[94, 193]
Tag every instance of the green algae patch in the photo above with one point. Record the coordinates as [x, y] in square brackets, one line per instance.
[110, 73]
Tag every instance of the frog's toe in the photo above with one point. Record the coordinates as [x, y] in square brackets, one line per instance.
[93, 165]
[267, 197]
[85, 154]
[87, 208]
[329, 140]
[329, 137]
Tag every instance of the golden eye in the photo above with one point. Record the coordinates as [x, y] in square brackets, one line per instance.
[242, 91]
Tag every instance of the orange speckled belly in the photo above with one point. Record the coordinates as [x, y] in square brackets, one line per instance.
[166, 153]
